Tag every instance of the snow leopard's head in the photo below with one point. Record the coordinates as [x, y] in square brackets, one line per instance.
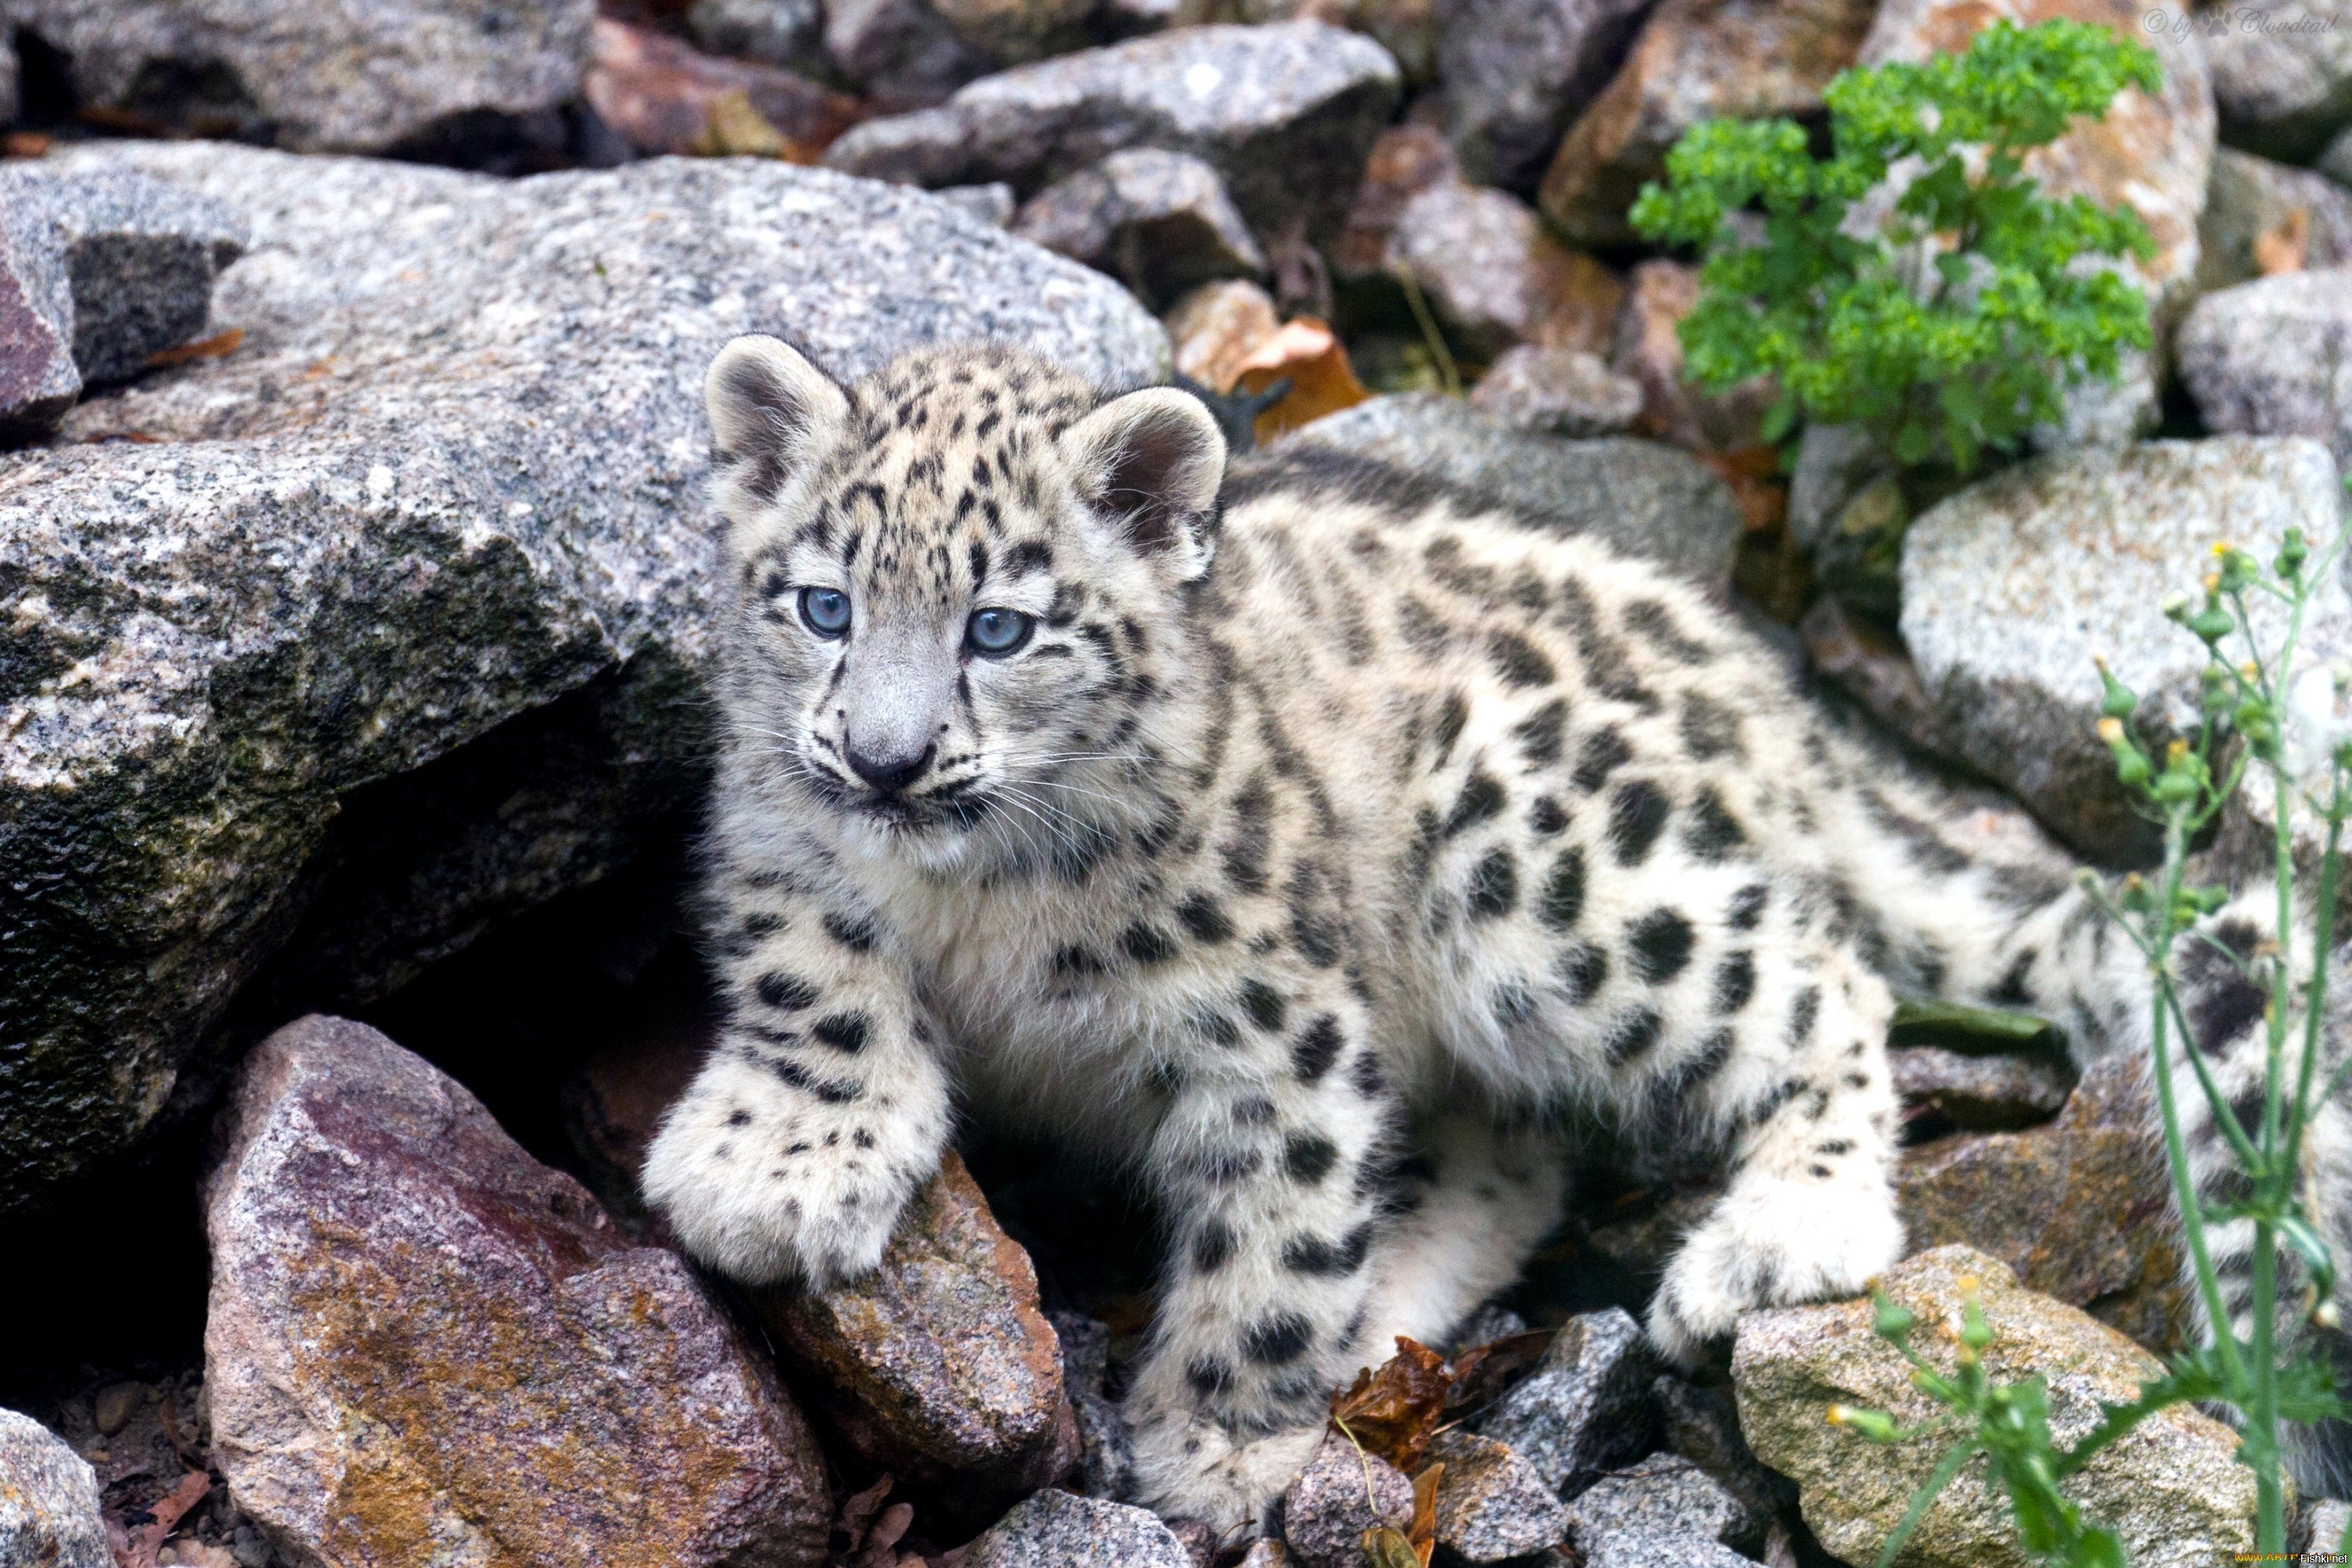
[957, 584]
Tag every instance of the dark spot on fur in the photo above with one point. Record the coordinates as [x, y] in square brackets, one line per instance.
[1212, 1245]
[1603, 753]
[1734, 982]
[1633, 1034]
[1264, 1005]
[1309, 1157]
[1282, 1338]
[1493, 885]
[842, 1031]
[786, 993]
[1316, 1048]
[1583, 968]
[1637, 815]
[1660, 945]
[1562, 903]
[1204, 918]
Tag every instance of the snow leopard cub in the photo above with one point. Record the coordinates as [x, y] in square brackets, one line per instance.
[1315, 845]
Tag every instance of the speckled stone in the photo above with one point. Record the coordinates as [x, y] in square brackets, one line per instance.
[350, 75]
[1647, 498]
[2250, 197]
[1057, 1529]
[2012, 586]
[1159, 222]
[1106, 1442]
[1558, 392]
[1286, 114]
[1665, 1498]
[1515, 72]
[48, 1501]
[1491, 1504]
[325, 565]
[1978, 1093]
[38, 381]
[788, 34]
[1586, 1406]
[902, 52]
[417, 1333]
[2172, 1488]
[1496, 277]
[2283, 74]
[1341, 1494]
[940, 1363]
[2273, 357]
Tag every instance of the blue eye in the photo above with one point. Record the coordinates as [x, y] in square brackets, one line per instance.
[998, 632]
[825, 611]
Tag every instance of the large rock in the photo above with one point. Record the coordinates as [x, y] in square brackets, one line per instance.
[1286, 114]
[48, 1501]
[787, 34]
[901, 52]
[1515, 72]
[2283, 75]
[1990, 1093]
[418, 1333]
[346, 76]
[1646, 347]
[1053, 1529]
[1495, 279]
[2273, 357]
[2150, 152]
[2012, 587]
[1667, 1500]
[1557, 391]
[1585, 1407]
[1342, 1492]
[1159, 222]
[1491, 1503]
[2256, 210]
[1644, 498]
[2080, 1209]
[1694, 59]
[938, 1363]
[2172, 1488]
[320, 566]
[662, 97]
[1405, 161]
[38, 381]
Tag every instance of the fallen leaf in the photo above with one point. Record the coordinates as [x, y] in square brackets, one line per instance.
[2286, 247]
[138, 1547]
[1309, 355]
[1422, 1534]
[735, 129]
[1393, 1411]
[1386, 1547]
[857, 1512]
[215, 347]
[882, 1540]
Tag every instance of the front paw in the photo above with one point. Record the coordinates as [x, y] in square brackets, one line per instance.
[781, 1194]
[1188, 1467]
[1773, 1245]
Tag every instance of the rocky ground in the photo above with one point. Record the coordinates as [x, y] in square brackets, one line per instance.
[353, 568]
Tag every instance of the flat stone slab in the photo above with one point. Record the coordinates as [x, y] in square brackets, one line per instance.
[453, 472]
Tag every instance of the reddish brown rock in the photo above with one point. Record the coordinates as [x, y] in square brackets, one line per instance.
[1495, 279]
[1216, 328]
[1405, 161]
[1695, 59]
[939, 1362]
[665, 96]
[2080, 1208]
[1644, 346]
[417, 1333]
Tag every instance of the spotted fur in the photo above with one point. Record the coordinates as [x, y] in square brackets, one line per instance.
[1332, 844]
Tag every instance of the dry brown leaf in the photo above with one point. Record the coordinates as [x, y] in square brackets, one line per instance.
[1754, 475]
[883, 1539]
[1393, 1411]
[214, 347]
[858, 1513]
[137, 1548]
[1386, 1547]
[1422, 1534]
[1309, 355]
[2287, 248]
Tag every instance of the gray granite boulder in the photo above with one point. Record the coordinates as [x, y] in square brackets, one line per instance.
[1286, 114]
[1106, 1444]
[1515, 72]
[902, 52]
[1586, 1406]
[1491, 1503]
[38, 381]
[48, 1501]
[1645, 498]
[788, 34]
[1342, 1493]
[325, 563]
[2012, 587]
[2273, 357]
[417, 1332]
[2282, 74]
[346, 76]
[1160, 222]
[1557, 391]
[2250, 199]
[1669, 1498]
[1051, 1529]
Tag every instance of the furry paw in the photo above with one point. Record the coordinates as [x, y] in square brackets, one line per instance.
[1189, 1468]
[806, 1192]
[1772, 1244]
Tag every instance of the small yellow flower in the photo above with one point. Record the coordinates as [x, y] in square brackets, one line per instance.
[2111, 730]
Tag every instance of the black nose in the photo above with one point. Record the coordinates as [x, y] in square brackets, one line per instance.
[891, 775]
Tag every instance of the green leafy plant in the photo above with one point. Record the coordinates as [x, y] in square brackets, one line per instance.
[2264, 1381]
[1949, 320]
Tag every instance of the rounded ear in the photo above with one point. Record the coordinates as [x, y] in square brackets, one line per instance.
[1150, 465]
[771, 411]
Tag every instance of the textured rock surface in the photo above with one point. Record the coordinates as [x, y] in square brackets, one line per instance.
[1515, 72]
[1667, 1499]
[2250, 201]
[1405, 161]
[2013, 585]
[1978, 1093]
[1642, 497]
[1645, 347]
[1495, 279]
[1160, 222]
[1053, 1529]
[1105, 1445]
[417, 1333]
[1694, 59]
[2273, 357]
[321, 566]
[2079, 1209]
[902, 52]
[1285, 115]
[662, 97]
[2173, 1488]
[345, 76]
[38, 381]
[788, 34]
[1213, 330]
[1327, 1508]
[1586, 1406]
[48, 1501]
[1491, 1504]
[940, 1361]
[1558, 392]
[2283, 75]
